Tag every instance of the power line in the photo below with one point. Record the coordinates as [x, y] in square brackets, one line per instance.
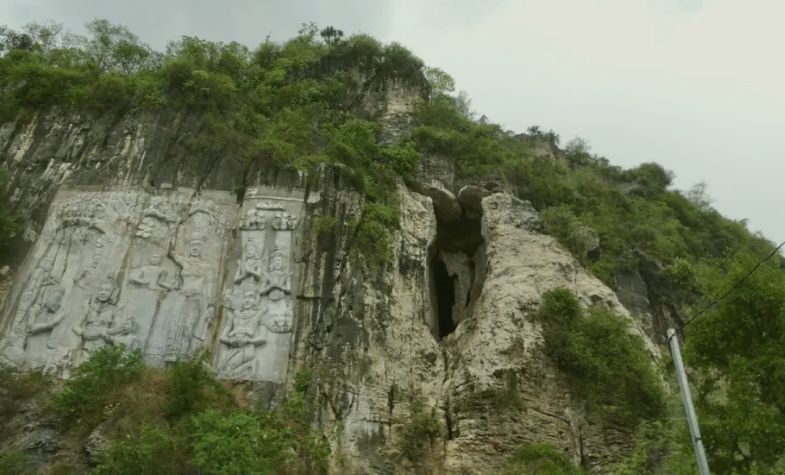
[729, 291]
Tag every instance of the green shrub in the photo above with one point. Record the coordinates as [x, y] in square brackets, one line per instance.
[607, 365]
[15, 462]
[539, 459]
[153, 451]
[237, 443]
[420, 430]
[92, 380]
[661, 447]
[303, 379]
[561, 223]
[375, 231]
[324, 225]
[192, 387]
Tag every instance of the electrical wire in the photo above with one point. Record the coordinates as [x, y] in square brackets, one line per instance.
[727, 292]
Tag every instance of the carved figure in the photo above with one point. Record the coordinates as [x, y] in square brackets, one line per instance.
[250, 265]
[277, 288]
[278, 316]
[277, 275]
[151, 276]
[197, 312]
[47, 315]
[122, 332]
[284, 221]
[100, 314]
[146, 227]
[254, 220]
[243, 333]
[83, 279]
[40, 279]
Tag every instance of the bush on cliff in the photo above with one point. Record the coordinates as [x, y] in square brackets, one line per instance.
[105, 369]
[606, 364]
[539, 459]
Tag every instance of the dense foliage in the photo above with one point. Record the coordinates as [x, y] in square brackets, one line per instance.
[159, 424]
[739, 348]
[292, 104]
[309, 101]
[107, 368]
[616, 377]
[539, 459]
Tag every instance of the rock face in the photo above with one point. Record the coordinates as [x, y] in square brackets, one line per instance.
[128, 241]
[378, 346]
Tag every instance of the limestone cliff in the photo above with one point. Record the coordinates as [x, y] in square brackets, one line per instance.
[132, 237]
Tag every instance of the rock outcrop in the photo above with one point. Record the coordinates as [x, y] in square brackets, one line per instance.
[131, 239]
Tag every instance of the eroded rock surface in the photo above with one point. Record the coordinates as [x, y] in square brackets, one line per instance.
[130, 241]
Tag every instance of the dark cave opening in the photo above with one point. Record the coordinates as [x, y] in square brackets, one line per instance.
[456, 260]
[444, 290]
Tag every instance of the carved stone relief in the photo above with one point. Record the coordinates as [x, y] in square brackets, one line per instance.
[150, 272]
[75, 253]
[258, 307]
[113, 268]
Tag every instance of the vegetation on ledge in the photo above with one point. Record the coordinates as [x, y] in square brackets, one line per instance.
[165, 421]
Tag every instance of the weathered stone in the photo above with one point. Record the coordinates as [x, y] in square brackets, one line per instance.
[470, 197]
[444, 202]
[136, 240]
[97, 443]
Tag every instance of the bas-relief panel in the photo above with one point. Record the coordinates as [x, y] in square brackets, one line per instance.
[67, 293]
[255, 335]
[118, 267]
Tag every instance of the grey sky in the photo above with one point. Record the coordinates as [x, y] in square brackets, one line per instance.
[696, 85]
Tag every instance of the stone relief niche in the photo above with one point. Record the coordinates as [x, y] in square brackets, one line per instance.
[182, 277]
[149, 272]
[64, 302]
[255, 335]
[113, 268]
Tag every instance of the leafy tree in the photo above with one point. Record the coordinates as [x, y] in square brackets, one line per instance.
[439, 81]
[331, 35]
[115, 48]
[739, 346]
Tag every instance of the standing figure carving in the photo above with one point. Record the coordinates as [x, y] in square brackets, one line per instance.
[42, 318]
[41, 278]
[47, 314]
[196, 314]
[277, 289]
[242, 333]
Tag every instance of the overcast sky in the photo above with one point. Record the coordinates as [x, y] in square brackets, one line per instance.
[696, 85]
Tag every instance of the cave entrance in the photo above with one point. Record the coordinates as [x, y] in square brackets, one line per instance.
[444, 291]
[457, 264]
